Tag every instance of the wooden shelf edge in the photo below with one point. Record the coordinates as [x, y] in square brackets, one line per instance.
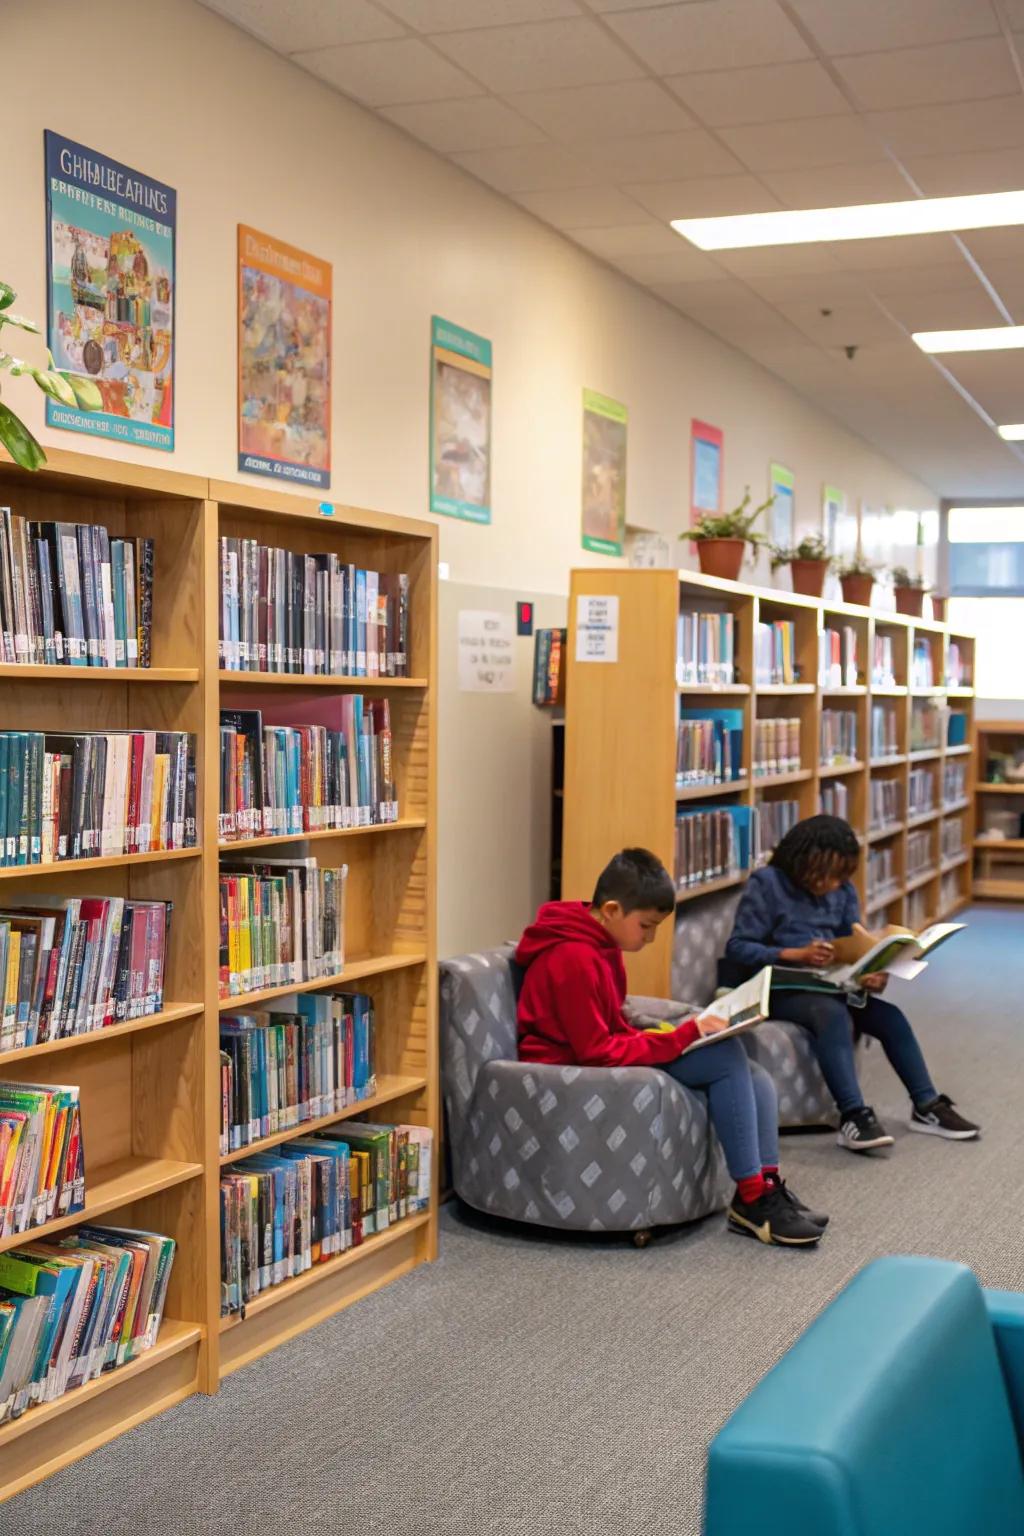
[112, 1186]
[1000, 789]
[1000, 890]
[887, 762]
[113, 1032]
[779, 690]
[115, 861]
[956, 807]
[836, 770]
[797, 776]
[924, 755]
[959, 751]
[718, 688]
[951, 864]
[406, 824]
[40, 672]
[879, 834]
[316, 680]
[922, 819]
[390, 1088]
[993, 844]
[708, 791]
[353, 971]
[916, 881]
[691, 892]
[851, 691]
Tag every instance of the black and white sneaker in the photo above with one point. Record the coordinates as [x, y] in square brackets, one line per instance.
[860, 1130]
[941, 1119]
[772, 1219]
[816, 1218]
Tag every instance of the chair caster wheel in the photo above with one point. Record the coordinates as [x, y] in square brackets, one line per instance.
[642, 1239]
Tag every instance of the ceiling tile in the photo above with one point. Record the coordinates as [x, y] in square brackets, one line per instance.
[797, 146]
[651, 239]
[540, 55]
[453, 15]
[712, 292]
[913, 279]
[580, 207]
[772, 260]
[684, 265]
[1013, 10]
[530, 168]
[839, 186]
[918, 252]
[995, 379]
[952, 129]
[825, 289]
[710, 34]
[988, 170]
[947, 308]
[965, 71]
[840, 26]
[770, 93]
[854, 321]
[384, 74]
[660, 156]
[293, 25]
[476, 122]
[590, 111]
[987, 245]
[702, 197]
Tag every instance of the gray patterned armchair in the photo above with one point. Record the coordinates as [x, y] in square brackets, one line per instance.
[590, 1148]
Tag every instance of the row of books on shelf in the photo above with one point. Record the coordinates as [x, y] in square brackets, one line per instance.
[549, 666]
[837, 737]
[883, 662]
[920, 852]
[76, 1307]
[884, 731]
[310, 614]
[313, 1198]
[333, 772]
[279, 1070]
[920, 792]
[719, 841]
[81, 966]
[834, 799]
[954, 782]
[886, 802]
[951, 839]
[42, 1162]
[281, 921]
[776, 746]
[709, 747]
[881, 877]
[95, 794]
[70, 595]
[775, 652]
[957, 667]
[705, 649]
[922, 666]
[837, 657]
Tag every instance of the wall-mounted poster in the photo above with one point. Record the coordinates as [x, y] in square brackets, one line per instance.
[284, 360]
[783, 520]
[604, 474]
[706, 452]
[833, 507]
[110, 285]
[460, 422]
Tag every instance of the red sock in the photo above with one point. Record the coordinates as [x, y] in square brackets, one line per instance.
[771, 1173]
[751, 1189]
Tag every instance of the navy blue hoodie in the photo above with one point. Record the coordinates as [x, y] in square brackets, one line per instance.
[774, 914]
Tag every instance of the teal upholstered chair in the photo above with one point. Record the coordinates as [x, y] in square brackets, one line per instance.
[900, 1409]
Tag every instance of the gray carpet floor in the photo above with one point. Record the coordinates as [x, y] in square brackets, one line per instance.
[529, 1384]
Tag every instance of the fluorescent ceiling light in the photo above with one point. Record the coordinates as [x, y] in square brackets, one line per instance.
[864, 221]
[1013, 434]
[990, 338]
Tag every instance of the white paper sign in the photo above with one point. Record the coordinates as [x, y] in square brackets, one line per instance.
[486, 652]
[597, 629]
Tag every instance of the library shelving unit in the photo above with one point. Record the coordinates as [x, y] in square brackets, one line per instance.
[621, 739]
[150, 1090]
[999, 813]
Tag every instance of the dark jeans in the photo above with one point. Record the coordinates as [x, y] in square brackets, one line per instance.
[830, 1022]
[741, 1102]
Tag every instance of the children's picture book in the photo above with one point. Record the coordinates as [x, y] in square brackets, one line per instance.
[895, 951]
[744, 1007]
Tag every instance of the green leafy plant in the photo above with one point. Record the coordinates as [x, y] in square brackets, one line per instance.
[854, 565]
[737, 524]
[812, 547]
[71, 389]
[901, 577]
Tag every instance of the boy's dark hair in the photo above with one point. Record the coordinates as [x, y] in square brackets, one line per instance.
[821, 845]
[635, 879]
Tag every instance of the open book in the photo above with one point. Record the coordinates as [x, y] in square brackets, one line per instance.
[896, 951]
[743, 1008]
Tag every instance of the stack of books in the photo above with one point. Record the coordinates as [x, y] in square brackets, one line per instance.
[73, 1309]
[774, 647]
[837, 657]
[42, 1165]
[70, 595]
[883, 662]
[705, 649]
[281, 921]
[838, 745]
[884, 737]
[284, 611]
[709, 747]
[920, 792]
[886, 803]
[776, 746]
[549, 666]
[772, 820]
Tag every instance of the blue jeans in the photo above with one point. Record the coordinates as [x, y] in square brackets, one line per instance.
[741, 1102]
[830, 1021]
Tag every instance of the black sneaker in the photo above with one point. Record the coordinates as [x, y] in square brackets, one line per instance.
[860, 1131]
[772, 1219]
[816, 1218]
[941, 1119]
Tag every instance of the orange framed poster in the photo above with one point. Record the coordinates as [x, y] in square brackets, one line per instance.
[284, 360]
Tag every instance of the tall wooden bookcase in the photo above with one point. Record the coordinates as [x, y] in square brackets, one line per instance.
[999, 831]
[621, 735]
[150, 1088]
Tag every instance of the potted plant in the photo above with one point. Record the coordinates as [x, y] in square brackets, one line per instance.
[70, 389]
[909, 592]
[857, 577]
[721, 539]
[808, 563]
[938, 608]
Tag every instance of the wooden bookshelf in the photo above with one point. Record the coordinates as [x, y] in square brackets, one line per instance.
[620, 786]
[998, 862]
[150, 1087]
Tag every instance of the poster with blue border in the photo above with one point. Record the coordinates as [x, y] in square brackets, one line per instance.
[110, 270]
[460, 422]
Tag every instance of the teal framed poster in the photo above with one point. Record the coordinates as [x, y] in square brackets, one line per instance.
[604, 474]
[460, 422]
[781, 486]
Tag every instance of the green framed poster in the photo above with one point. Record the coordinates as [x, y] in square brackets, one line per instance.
[783, 521]
[460, 422]
[604, 474]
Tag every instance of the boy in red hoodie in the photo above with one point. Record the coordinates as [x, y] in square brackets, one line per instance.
[570, 1013]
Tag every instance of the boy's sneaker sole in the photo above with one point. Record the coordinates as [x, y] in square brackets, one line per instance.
[937, 1130]
[762, 1232]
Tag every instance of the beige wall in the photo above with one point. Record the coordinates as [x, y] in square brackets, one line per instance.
[246, 137]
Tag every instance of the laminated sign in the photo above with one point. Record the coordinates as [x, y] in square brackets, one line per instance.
[486, 652]
[597, 629]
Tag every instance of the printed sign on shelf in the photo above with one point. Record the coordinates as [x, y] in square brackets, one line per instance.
[597, 629]
[486, 651]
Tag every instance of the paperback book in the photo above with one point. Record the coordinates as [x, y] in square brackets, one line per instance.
[281, 921]
[42, 1164]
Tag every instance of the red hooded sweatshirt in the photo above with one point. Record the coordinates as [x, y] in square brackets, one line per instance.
[570, 1005]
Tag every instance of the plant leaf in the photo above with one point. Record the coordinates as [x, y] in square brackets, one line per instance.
[51, 383]
[18, 440]
[86, 393]
[21, 321]
[7, 295]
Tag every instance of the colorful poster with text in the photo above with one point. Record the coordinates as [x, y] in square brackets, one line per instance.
[604, 474]
[460, 422]
[783, 521]
[706, 451]
[284, 360]
[110, 235]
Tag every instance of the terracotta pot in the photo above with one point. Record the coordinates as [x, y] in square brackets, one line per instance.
[721, 557]
[909, 600]
[857, 589]
[808, 576]
[938, 609]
